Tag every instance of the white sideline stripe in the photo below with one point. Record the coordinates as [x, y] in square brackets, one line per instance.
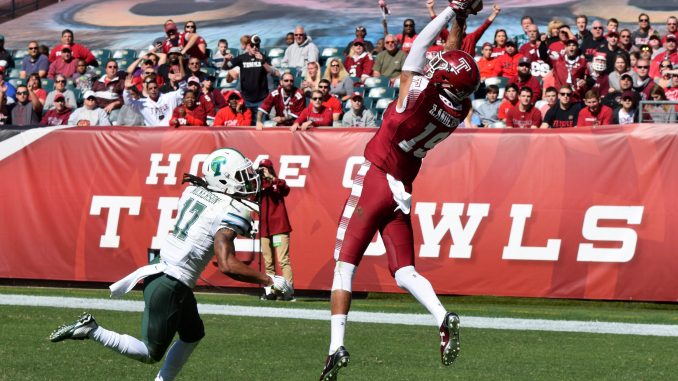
[23, 139]
[664, 330]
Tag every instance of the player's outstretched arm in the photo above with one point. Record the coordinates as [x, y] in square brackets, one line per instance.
[224, 249]
[416, 59]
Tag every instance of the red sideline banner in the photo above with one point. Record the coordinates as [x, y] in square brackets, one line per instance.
[574, 213]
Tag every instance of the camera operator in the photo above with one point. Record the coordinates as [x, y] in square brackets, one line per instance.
[274, 226]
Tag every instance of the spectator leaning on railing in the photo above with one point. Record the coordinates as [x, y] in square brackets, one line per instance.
[315, 115]
[157, 109]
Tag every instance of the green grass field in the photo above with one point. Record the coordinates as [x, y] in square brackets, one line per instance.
[254, 348]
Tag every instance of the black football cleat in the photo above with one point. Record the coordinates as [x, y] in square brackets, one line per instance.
[334, 361]
[449, 339]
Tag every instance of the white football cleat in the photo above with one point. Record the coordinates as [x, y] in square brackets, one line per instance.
[79, 330]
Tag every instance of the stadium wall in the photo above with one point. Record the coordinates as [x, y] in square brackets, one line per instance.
[575, 213]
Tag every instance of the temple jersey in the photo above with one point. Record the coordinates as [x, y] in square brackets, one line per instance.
[404, 137]
[190, 245]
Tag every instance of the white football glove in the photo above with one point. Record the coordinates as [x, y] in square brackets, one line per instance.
[281, 285]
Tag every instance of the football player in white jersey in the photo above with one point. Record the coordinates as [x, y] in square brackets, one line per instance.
[212, 211]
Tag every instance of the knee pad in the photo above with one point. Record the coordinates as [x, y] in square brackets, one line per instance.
[403, 274]
[343, 276]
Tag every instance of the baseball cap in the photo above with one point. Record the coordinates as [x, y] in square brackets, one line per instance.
[234, 95]
[170, 26]
[671, 36]
[174, 49]
[612, 33]
[193, 79]
[654, 37]
[266, 163]
[524, 61]
[66, 49]
[59, 97]
[626, 75]
[628, 94]
[510, 42]
[486, 44]
[600, 56]
[359, 41]
[255, 40]
[357, 94]
[88, 94]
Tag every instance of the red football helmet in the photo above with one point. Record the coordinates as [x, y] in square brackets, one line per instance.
[454, 73]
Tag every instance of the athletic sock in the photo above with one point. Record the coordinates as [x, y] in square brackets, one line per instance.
[125, 344]
[338, 329]
[176, 357]
[421, 289]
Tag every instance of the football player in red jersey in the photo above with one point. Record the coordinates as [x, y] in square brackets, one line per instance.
[433, 100]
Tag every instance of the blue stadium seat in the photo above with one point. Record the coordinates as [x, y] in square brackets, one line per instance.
[20, 53]
[223, 84]
[47, 84]
[102, 55]
[14, 73]
[381, 81]
[126, 54]
[276, 52]
[382, 92]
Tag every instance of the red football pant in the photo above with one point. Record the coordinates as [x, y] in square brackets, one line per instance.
[369, 208]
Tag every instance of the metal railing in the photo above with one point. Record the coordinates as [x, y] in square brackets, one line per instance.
[658, 111]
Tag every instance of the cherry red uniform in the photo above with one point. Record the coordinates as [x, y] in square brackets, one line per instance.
[284, 104]
[394, 152]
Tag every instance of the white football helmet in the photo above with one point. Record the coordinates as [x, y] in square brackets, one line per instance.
[227, 170]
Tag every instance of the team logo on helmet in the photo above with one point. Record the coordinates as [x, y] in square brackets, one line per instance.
[216, 165]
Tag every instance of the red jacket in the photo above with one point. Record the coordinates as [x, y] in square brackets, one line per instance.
[273, 217]
[228, 118]
[78, 51]
[195, 117]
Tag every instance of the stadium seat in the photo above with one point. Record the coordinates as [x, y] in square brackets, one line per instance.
[276, 52]
[14, 73]
[47, 84]
[20, 53]
[381, 81]
[102, 55]
[540, 103]
[126, 54]
[16, 82]
[276, 62]
[380, 105]
[330, 52]
[382, 92]
[498, 81]
[223, 84]
[396, 83]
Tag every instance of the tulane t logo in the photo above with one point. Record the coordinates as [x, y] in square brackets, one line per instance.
[216, 165]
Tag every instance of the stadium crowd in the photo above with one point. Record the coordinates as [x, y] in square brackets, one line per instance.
[553, 77]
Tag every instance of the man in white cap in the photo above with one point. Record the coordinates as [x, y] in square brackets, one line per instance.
[89, 114]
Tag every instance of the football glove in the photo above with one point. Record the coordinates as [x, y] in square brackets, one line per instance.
[281, 285]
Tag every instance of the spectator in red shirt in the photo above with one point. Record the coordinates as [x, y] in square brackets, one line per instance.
[570, 68]
[671, 27]
[361, 62]
[508, 62]
[510, 100]
[488, 66]
[524, 114]
[274, 226]
[531, 48]
[524, 78]
[670, 53]
[78, 51]
[314, 115]
[194, 44]
[65, 64]
[500, 38]
[471, 40]
[189, 113]
[234, 114]
[287, 100]
[408, 35]
[329, 100]
[58, 116]
[595, 113]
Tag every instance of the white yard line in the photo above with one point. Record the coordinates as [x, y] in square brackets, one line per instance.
[357, 316]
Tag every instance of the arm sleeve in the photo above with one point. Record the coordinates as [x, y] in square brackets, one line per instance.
[416, 59]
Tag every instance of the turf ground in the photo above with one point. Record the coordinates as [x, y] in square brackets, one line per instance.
[270, 348]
